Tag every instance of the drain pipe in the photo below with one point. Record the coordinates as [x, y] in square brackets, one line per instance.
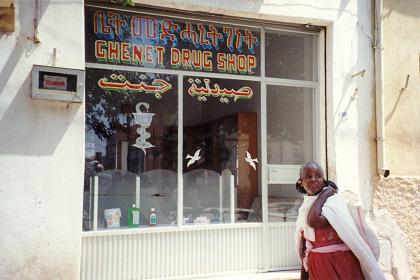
[379, 88]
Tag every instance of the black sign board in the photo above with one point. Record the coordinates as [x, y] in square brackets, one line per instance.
[135, 39]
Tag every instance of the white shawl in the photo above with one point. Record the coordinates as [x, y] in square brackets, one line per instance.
[338, 215]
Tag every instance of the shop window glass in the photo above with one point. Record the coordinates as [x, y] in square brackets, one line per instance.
[290, 125]
[291, 55]
[283, 202]
[131, 146]
[220, 124]
[290, 142]
[131, 137]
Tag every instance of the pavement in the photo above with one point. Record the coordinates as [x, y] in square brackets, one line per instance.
[278, 275]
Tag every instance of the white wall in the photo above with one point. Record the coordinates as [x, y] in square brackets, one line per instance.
[41, 147]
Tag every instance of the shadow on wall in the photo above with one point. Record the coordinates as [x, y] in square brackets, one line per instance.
[28, 127]
[340, 10]
[410, 8]
[27, 13]
[346, 100]
[34, 127]
[366, 148]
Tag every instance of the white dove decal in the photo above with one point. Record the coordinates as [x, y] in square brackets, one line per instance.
[250, 160]
[193, 158]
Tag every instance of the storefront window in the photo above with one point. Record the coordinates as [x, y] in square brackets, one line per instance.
[296, 55]
[290, 142]
[131, 146]
[290, 124]
[152, 80]
[219, 131]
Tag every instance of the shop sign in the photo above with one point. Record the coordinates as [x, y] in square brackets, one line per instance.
[225, 90]
[120, 83]
[129, 83]
[124, 38]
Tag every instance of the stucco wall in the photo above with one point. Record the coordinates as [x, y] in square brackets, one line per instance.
[41, 147]
[396, 208]
[401, 21]
[396, 199]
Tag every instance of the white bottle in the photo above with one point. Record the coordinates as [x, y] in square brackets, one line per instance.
[152, 217]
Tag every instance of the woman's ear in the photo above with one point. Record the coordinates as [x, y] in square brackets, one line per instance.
[299, 186]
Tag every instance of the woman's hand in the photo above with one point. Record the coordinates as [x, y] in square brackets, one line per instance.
[328, 191]
[302, 248]
[315, 219]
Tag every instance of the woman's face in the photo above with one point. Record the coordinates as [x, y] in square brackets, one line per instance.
[312, 180]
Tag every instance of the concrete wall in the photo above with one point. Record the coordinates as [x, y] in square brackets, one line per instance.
[41, 147]
[401, 20]
[396, 208]
[397, 198]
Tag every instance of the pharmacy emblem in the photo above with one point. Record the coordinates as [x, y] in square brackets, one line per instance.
[144, 119]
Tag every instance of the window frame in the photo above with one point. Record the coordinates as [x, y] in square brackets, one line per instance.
[319, 122]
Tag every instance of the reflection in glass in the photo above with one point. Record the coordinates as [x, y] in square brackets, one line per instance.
[220, 126]
[290, 125]
[291, 56]
[283, 203]
[127, 153]
[203, 194]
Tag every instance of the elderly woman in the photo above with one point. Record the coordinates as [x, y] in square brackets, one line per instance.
[328, 240]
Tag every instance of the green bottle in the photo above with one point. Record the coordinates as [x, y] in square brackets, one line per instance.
[133, 216]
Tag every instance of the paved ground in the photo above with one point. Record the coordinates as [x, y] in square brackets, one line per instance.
[280, 275]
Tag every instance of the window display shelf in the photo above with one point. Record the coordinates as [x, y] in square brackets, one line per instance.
[155, 229]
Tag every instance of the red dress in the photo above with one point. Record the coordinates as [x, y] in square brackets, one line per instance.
[338, 265]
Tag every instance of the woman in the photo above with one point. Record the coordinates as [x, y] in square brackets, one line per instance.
[329, 242]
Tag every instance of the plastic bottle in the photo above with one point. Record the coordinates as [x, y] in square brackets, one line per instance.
[133, 216]
[152, 217]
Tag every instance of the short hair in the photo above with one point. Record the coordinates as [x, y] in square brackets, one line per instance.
[299, 186]
[311, 164]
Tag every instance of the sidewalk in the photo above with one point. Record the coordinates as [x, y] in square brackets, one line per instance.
[278, 275]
